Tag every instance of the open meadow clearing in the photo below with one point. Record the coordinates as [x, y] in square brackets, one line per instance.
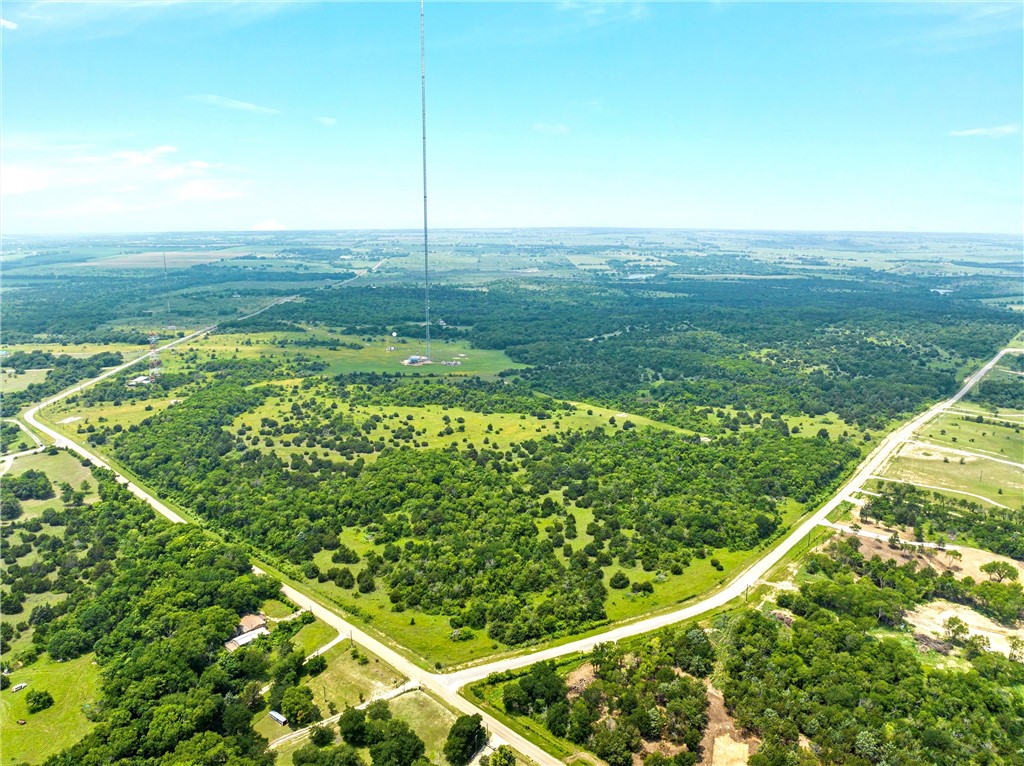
[73, 685]
[978, 476]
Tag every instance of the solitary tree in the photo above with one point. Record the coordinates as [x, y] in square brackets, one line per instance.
[465, 738]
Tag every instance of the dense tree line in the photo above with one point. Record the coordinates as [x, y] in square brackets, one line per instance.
[644, 691]
[154, 602]
[462, 531]
[937, 516]
[860, 698]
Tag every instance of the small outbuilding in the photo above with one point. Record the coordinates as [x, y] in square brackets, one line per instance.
[245, 638]
[279, 718]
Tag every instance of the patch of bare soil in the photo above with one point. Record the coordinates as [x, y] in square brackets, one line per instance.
[930, 618]
[579, 679]
[724, 744]
[968, 565]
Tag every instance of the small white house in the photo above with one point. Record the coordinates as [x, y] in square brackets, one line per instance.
[279, 718]
[18, 687]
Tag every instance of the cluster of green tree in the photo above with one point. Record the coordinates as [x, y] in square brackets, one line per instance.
[865, 350]
[932, 514]
[884, 590]
[473, 394]
[456, 530]
[859, 697]
[999, 393]
[647, 691]
[30, 485]
[10, 435]
[391, 741]
[154, 602]
[64, 372]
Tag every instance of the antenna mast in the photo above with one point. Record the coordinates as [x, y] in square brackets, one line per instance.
[423, 105]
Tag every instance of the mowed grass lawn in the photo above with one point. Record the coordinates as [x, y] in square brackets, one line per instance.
[311, 637]
[72, 684]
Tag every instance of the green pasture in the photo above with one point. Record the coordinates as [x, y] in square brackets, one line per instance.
[11, 380]
[80, 350]
[960, 432]
[312, 636]
[59, 468]
[977, 476]
[73, 684]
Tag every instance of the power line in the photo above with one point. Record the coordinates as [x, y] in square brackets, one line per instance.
[423, 106]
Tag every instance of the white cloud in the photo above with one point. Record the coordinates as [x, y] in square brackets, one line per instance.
[996, 132]
[326, 120]
[271, 224]
[5, 24]
[551, 130]
[230, 103]
[208, 189]
[21, 179]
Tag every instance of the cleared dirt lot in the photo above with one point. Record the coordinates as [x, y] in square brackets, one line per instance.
[929, 619]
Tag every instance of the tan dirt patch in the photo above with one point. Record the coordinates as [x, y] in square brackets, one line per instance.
[580, 679]
[723, 743]
[968, 566]
[730, 753]
[930, 618]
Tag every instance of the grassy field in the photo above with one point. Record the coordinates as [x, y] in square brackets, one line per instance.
[373, 357]
[15, 381]
[72, 684]
[978, 476]
[426, 716]
[991, 438]
[346, 682]
[81, 350]
[311, 637]
[62, 467]
[428, 423]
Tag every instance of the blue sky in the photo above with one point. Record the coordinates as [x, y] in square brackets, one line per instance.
[156, 115]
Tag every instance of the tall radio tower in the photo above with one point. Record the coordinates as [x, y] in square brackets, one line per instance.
[423, 107]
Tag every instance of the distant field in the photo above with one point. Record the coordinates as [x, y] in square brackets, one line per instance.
[72, 684]
[15, 381]
[372, 357]
[80, 350]
[154, 259]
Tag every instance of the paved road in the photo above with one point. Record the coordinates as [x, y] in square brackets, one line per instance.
[8, 460]
[446, 686]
